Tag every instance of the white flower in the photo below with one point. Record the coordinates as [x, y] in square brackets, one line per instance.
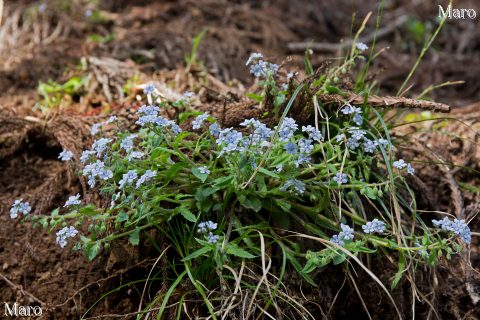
[65, 155]
[361, 46]
[73, 200]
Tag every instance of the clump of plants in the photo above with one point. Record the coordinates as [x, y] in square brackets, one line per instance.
[315, 193]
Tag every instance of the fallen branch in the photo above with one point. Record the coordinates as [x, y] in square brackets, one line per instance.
[384, 102]
[19, 288]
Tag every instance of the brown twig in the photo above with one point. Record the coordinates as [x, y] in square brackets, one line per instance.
[19, 288]
[384, 102]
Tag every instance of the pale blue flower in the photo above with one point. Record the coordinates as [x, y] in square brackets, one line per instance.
[287, 129]
[215, 130]
[305, 145]
[358, 119]
[369, 146]
[100, 145]
[254, 57]
[128, 178]
[290, 148]
[458, 227]
[410, 169]
[206, 226]
[96, 128]
[212, 238]
[302, 158]
[73, 200]
[65, 155]
[340, 178]
[197, 123]
[111, 119]
[374, 226]
[400, 164]
[127, 142]
[147, 176]
[149, 89]
[204, 170]
[19, 207]
[135, 155]
[361, 46]
[64, 234]
[86, 155]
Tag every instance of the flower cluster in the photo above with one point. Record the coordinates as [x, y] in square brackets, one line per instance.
[64, 234]
[458, 227]
[65, 155]
[374, 226]
[259, 67]
[73, 200]
[149, 115]
[361, 46]
[401, 164]
[206, 227]
[96, 169]
[128, 178]
[19, 207]
[147, 176]
[197, 123]
[356, 111]
[345, 235]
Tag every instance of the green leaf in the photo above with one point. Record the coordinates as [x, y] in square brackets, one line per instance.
[284, 205]
[250, 203]
[235, 250]
[187, 214]
[201, 176]
[255, 97]
[268, 173]
[134, 237]
[88, 210]
[401, 270]
[92, 249]
[204, 193]
[309, 266]
[122, 216]
[339, 258]
[224, 181]
[198, 253]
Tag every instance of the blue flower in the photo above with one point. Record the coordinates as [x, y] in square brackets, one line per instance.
[410, 169]
[147, 176]
[212, 238]
[19, 207]
[290, 148]
[279, 168]
[357, 134]
[458, 227]
[353, 144]
[215, 130]
[64, 234]
[73, 200]
[305, 145]
[111, 119]
[135, 155]
[361, 46]
[302, 158]
[369, 146]
[149, 89]
[230, 140]
[197, 123]
[383, 142]
[206, 226]
[287, 129]
[204, 170]
[349, 109]
[345, 235]
[150, 110]
[340, 178]
[358, 119]
[400, 164]
[298, 186]
[337, 240]
[65, 155]
[340, 137]
[263, 68]
[374, 226]
[86, 155]
[128, 178]
[96, 169]
[127, 142]
[254, 58]
[100, 145]
[187, 95]
[347, 232]
[95, 128]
